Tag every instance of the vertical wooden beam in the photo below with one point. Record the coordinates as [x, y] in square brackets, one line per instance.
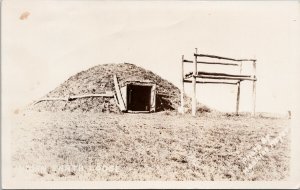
[254, 89]
[182, 85]
[238, 98]
[241, 67]
[238, 92]
[194, 100]
[119, 95]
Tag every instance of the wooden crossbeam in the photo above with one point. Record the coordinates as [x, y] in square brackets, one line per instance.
[188, 75]
[187, 61]
[211, 82]
[217, 63]
[225, 78]
[199, 74]
[108, 94]
[222, 74]
[219, 57]
[50, 99]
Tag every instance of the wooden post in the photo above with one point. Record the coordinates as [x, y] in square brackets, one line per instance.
[254, 89]
[182, 85]
[238, 98]
[238, 92]
[241, 67]
[194, 100]
[119, 95]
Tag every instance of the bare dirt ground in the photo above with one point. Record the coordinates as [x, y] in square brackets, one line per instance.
[159, 146]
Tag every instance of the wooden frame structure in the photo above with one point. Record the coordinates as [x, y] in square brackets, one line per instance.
[211, 77]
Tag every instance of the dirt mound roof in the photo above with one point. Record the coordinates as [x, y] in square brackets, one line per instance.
[99, 79]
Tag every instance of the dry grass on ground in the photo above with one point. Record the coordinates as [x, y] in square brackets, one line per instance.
[160, 146]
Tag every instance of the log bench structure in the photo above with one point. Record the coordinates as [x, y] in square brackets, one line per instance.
[202, 77]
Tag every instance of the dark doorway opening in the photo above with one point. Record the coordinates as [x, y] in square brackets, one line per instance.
[139, 98]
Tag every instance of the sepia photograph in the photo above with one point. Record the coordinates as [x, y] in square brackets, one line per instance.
[150, 94]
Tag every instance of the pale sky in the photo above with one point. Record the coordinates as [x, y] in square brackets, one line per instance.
[57, 39]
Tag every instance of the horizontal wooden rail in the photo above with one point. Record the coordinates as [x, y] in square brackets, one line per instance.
[70, 98]
[225, 78]
[52, 99]
[222, 74]
[219, 57]
[216, 74]
[188, 75]
[217, 63]
[210, 82]
[107, 94]
[187, 61]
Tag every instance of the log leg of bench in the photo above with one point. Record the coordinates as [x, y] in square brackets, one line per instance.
[238, 98]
